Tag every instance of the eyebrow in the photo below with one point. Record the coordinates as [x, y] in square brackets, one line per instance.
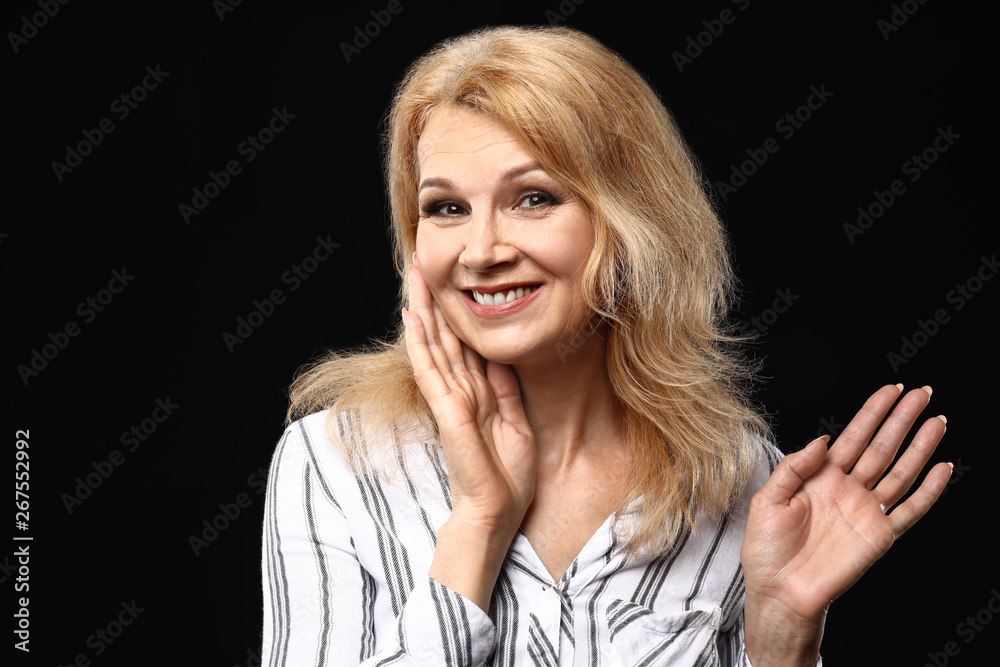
[505, 177]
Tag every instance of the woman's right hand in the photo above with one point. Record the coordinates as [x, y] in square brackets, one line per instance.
[488, 445]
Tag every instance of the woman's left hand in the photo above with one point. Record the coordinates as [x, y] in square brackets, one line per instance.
[822, 518]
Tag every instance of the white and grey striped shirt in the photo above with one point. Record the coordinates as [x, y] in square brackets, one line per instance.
[345, 559]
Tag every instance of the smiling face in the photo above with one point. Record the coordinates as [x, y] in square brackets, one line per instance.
[492, 223]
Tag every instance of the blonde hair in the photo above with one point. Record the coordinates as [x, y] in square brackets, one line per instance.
[659, 272]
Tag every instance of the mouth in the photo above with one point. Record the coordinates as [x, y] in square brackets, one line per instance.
[502, 296]
[502, 299]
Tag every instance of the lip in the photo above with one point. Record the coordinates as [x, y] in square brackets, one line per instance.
[505, 309]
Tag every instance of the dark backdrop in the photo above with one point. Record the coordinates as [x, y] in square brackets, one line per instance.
[115, 517]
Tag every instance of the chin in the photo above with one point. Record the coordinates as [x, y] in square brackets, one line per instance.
[516, 354]
[504, 357]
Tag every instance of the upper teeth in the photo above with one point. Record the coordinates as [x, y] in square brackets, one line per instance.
[501, 298]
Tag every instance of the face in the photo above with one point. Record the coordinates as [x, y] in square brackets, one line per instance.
[500, 243]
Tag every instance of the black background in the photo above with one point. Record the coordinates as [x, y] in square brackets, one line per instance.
[162, 336]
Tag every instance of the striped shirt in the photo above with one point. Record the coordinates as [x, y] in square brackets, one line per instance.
[345, 558]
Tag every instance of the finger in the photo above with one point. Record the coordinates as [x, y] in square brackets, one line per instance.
[450, 343]
[503, 381]
[852, 442]
[878, 455]
[422, 304]
[792, 471]
[902, 475]
[908, 513]
[447, 349]
[473, 361]
[425, 371]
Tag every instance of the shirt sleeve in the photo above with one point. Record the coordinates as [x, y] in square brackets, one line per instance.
[319, 601]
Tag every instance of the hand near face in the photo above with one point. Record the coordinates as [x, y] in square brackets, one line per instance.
[488, 445]
[822, 519]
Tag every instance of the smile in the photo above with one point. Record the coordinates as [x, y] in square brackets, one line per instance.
[502, 297]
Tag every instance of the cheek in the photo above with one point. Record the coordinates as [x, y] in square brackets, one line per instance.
[425, 250]
[579, 243]
[432, 258]
[561, 255]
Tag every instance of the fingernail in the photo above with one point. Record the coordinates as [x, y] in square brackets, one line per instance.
[899, 386]
[943, 418]
[927, 388]
[823, 438]
[951, 465]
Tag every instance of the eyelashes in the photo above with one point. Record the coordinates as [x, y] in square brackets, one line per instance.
[532, 202]
[434, 208]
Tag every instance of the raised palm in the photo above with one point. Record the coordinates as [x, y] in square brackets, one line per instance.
[820, 521]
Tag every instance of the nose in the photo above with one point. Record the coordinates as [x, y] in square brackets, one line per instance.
[486, 245]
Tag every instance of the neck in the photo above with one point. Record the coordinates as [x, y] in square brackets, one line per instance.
[570, 404]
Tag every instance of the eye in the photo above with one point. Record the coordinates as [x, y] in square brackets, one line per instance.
[448, 209]
[536, 200]
[444, 209]
[533, 201]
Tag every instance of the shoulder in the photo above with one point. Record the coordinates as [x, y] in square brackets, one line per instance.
[725, 531]
[342, 452]
[327, 442]
[767, 458]
[311, 452]
[306, 437]
[362, 442]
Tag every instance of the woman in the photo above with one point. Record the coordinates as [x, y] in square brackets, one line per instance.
[554, 461]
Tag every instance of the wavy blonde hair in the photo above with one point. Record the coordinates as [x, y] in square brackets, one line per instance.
[659, 272]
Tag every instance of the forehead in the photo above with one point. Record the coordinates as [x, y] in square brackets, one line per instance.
[455, 137]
